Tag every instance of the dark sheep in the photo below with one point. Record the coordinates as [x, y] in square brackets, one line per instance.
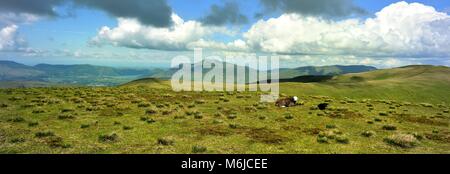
[322, 106]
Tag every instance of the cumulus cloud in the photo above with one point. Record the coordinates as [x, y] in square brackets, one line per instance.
[401, 29]
[323, 8]
[131, 33]
[237, 45]
[9, 40]
[228, 13]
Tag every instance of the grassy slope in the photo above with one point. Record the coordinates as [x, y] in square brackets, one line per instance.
[257, 128]
[414, 84]
[323, 70]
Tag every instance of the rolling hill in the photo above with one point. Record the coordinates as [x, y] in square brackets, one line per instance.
[286, 73]
[417, 83]
[12, 71]
[411, 83]
[91, 75]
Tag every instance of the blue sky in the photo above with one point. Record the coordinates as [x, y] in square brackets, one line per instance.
[67, 38]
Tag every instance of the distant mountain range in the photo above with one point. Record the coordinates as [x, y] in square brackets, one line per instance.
[92, 75]
[283, 73]
[69, 74]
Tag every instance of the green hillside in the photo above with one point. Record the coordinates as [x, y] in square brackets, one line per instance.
[153, 83]
[287, 73]
[401, 110]
[411, 83]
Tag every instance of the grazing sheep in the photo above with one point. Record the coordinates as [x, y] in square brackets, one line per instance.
[287, 102]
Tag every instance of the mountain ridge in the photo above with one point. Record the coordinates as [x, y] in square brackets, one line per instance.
[94, 75]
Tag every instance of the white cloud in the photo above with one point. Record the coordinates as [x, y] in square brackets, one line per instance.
[9, 37]
[320, 60]
[9, 40]
[131, 33]
[18, 18]
[236, 45]
[399, 34]
[400, 29]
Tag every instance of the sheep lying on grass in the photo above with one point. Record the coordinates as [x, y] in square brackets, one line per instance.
[287, 102]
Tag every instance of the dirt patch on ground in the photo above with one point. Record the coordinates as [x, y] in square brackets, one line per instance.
[213, 130]
[441, 137]
[344, 114]
[423, 120]
[312, 131]
[2, 137]
[291, 128]
[264, 135]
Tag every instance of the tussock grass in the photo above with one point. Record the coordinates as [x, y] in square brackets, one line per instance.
[66, 117]
[56, 142]
[198, 149]
[106, 138]
[368, 133]
[198, 115]
[402, 140]
[151, 111]
[127, 127]
[166, 141]
[389, 127]
[17, 140]
[16, 119]
[342, 139]
[38, 111]
[42, 134]
[33, 124]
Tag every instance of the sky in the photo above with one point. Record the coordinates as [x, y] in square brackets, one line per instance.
[142, 33]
